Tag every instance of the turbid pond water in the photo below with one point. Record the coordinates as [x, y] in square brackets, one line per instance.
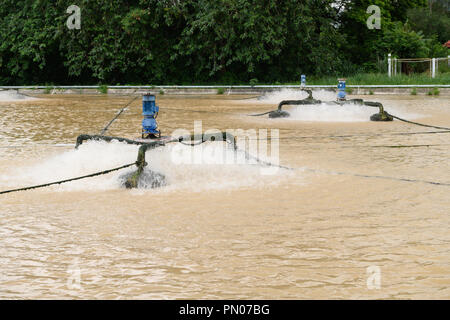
[341, 225]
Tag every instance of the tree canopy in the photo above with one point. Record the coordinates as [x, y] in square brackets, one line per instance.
[205, 41]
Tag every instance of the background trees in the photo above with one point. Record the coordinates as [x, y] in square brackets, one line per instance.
[204, 41]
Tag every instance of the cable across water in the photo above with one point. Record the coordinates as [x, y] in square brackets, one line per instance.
[69, 180]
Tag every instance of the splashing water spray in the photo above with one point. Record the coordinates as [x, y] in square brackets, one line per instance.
[151, 139]
[340, 101]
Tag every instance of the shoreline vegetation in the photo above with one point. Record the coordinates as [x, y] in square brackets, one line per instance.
[218, 42]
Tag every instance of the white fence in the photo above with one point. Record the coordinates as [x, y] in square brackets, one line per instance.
[393, 64]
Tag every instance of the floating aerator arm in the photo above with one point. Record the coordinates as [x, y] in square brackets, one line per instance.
[133, 180]
[84, 137]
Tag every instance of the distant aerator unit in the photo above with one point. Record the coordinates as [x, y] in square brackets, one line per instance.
[382, 115]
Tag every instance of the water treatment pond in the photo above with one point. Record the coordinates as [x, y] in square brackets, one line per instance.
[226, 231]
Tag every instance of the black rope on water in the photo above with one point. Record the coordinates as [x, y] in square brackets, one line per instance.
[342, 173]
[259, 114]
[355, 135]
[117, 115]
[417, 123]
[403, 146]
[197, 111]
[192, 144]
[258, 160]
[69, 180]
[379, 177]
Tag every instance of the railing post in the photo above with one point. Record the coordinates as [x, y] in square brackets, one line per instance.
[433, 68]
[395, 66]
[389, 65]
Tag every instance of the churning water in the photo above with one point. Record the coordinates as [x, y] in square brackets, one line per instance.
[326, 112]
[13, 95]
[205, 167]
[224, 230]
[275, 97]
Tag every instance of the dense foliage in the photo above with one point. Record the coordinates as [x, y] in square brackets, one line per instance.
[203, 41]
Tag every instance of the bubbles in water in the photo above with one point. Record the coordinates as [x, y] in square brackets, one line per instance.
[89, 158]
[13, 95]
[149, 179]
[325, 112]
[276, 97]
[341, 113]
[167, 167]
[331, 113]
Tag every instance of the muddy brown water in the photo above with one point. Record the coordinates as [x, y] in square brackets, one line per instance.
[225, 231]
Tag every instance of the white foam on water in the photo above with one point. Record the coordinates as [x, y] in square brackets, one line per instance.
[210, 166]
[174, 161]
[276, 97]
[13, 95]
[328, 113]
[89, 158]
[344, 113]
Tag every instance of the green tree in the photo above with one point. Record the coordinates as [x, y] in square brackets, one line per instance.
[29, 41]
[435, 22]
[403, 42]
[362, 41]
[201, 41]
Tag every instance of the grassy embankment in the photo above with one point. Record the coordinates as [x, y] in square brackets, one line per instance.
[383, 79]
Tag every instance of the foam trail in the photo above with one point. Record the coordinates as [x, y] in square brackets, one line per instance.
[295, 94]
[13, 95]
[89, 158]
[175, 162]
[344, 113]
[327, 113]
[210, 166]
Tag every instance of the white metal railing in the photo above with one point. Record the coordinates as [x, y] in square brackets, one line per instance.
[233, 87]
[434, 62]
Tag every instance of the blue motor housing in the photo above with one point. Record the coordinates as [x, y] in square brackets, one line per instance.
[150, 112]
[341, 89]
[149, 125]
[341, 95]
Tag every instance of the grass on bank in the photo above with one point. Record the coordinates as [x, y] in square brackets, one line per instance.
[358, 79]
[383, 79]
[354, 80]
[103, 89]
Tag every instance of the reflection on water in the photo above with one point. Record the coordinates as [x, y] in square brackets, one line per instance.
[223, 231]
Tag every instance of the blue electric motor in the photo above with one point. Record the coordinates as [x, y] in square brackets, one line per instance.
[341, 89]
[150, 112]
[303, 80]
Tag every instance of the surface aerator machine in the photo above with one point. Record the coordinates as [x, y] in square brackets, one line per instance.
[151, 139]
[382, 115]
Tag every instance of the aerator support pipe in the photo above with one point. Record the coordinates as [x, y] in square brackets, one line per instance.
[133, 179]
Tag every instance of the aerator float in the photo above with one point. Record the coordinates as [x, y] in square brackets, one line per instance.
[151, 139]
[382, 115]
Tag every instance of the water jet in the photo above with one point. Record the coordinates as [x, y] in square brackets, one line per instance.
[341, 100]
[151, 138]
